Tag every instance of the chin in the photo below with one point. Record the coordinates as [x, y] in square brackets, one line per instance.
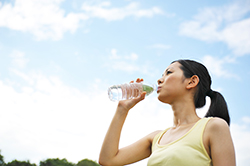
[163, 99]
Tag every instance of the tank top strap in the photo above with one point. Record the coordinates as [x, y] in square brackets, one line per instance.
[157, 138]
[182, 151]
[195, 134]
[198, 129]
[195, 137]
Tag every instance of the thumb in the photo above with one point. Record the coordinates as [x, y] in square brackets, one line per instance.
[141, 97]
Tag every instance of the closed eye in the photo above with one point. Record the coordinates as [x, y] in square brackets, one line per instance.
[168, 72]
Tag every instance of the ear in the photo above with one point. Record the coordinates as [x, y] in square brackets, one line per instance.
[193, 82]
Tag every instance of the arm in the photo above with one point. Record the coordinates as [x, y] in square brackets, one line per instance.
[110, 153]
[221, 144]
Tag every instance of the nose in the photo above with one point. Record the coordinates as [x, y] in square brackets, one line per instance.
[160, 81]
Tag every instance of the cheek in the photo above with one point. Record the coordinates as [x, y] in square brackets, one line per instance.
[171, 88]
[166, 90]
[170, 82]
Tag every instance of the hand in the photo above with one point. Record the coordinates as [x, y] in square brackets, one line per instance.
[130, 103]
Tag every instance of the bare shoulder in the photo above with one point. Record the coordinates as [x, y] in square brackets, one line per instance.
[217, 124]
[217, 127]
[152, 135]
[219, 143]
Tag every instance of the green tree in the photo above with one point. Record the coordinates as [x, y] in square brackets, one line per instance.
[48, 162]
[20, 163]
[87, 162]
[56, 162]
[2, 163]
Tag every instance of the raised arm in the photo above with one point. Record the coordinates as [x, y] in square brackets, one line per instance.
[110, 153]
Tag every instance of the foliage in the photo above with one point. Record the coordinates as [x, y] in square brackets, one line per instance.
[56, 162]
[2, 163]
[48, 162]
[20, 163]
[87, 162]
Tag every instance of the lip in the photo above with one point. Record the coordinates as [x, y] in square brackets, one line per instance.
[158, 89]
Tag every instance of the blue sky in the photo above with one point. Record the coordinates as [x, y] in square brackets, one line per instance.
[57, 59]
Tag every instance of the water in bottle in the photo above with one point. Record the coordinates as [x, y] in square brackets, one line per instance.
[129, 91]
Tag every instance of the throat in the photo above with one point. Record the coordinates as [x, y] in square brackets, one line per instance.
[185, 119]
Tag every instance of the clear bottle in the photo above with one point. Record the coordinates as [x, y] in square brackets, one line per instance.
[129, 91]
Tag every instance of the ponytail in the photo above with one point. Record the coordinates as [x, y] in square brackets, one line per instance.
[218, 106]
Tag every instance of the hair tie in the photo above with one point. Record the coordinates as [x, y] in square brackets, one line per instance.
[210, 92]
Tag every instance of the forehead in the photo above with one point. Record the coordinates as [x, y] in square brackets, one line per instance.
[175, 66]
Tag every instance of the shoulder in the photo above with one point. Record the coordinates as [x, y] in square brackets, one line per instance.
[217, 124]
[152, 135]
[217, 127]
[219, 142]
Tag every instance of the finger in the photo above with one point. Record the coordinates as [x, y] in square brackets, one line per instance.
[141, 97]
[143, 94]
[138, 80]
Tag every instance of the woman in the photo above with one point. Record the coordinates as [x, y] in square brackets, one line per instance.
[192, 141]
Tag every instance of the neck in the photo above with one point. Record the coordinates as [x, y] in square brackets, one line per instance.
[184, 114]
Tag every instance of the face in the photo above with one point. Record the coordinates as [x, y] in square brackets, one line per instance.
[172, 84]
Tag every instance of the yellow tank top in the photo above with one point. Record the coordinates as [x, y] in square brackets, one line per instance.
[186, 151]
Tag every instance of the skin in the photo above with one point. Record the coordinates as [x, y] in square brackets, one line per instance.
[178, 91]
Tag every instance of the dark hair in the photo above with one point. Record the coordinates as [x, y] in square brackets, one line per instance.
[218, 106]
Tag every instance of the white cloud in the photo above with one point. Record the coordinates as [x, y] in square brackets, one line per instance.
[104, 11]
[47, 20]
[237, 36]
[114, 54]
[125, 66]
[18, 59]
[132, 57]
[227, 24]
[246, 120]
[44, 19]
[241, 137]
[23, 76]
[216, 66]
[128, 63]
[47, 119]
[201, 112]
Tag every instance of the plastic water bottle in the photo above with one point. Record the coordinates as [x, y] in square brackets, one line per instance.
[129, 91]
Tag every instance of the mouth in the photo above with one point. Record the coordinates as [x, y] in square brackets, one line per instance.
[158, 89]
